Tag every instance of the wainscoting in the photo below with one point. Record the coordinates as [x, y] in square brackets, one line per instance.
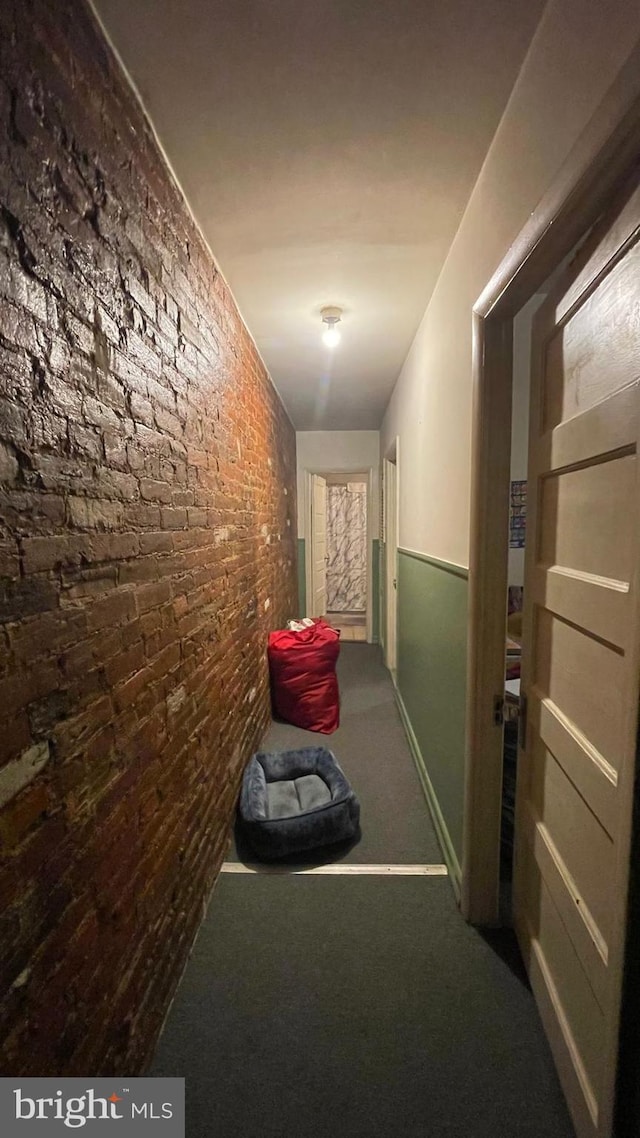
[431, 682]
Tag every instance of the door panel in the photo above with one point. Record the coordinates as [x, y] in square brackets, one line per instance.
[583, 676]
[570, 988]
[594, 351]
[586, 940]
[581, 843]
[580, 661]
[592, 777]
[583, 516]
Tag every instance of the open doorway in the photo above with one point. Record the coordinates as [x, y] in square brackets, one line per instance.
[518, 483]
[523, 324]
[513, 712]
[339, 583]
[346, 559]
[580, 630]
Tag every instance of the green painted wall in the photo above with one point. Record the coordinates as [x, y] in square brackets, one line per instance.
[302, 579]
[431, 678]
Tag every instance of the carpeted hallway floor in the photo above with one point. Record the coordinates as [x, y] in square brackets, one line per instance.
[351, 1006]
[369, 743]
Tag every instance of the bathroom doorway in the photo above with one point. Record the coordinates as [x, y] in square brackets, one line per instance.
[344, 547]
[347, 554]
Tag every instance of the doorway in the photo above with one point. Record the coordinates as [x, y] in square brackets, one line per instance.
[581, 612]
[346, 560]
[339, 525]
[518, 482]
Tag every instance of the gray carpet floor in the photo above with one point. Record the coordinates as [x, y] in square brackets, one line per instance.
[345, 1007]
[371, 747]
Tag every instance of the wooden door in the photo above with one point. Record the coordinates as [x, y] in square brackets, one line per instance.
[580, 667]
[319, 545]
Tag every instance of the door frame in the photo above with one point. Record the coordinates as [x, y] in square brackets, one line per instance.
[391, 502]
[307, 526]
[600, 161]
[312, 544]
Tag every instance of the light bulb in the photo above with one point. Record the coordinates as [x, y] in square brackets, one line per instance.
[331, 336]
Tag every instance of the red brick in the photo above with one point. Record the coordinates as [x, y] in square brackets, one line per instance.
[125, 663]
[115, 609]
[140, 569]
[156, 542]
[135, 635]
[128, 692]
[168, 659]
[20, 814]
[113, 547]
[173, 518]
[20, 687]
[16, 735]
[152, 596]
[42, 553]
[9, 559]
[77, 730]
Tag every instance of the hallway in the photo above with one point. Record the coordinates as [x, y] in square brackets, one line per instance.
[246, 249]
[348, 1005]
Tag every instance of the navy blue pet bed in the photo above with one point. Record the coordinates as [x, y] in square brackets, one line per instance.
[295, 801]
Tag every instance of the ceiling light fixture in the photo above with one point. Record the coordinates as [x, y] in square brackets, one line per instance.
[331, 317]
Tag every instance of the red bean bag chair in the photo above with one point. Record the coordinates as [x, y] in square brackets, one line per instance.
[304, 685]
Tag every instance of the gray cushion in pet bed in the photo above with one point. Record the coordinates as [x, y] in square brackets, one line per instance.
[296, 800]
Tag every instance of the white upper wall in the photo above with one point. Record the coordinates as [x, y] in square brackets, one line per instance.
[574, 58]
[331, 452]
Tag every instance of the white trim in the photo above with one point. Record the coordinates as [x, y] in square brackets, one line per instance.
[340, 869]
[431, 557]
[391, 462]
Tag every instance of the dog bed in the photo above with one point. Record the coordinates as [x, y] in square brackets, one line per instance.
[296, 800]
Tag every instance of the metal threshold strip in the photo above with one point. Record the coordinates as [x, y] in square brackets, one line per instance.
[340, 869]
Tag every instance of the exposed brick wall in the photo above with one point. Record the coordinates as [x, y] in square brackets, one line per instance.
[147, 527]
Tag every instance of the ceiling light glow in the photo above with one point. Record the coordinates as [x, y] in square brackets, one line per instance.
[331, 337]
[331, 316]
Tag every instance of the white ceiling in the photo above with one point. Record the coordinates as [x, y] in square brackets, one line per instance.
[327, 149]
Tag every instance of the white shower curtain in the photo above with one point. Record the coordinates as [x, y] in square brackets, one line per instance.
[347, 547]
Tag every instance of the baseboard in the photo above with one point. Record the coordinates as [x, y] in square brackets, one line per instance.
[440, 826]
